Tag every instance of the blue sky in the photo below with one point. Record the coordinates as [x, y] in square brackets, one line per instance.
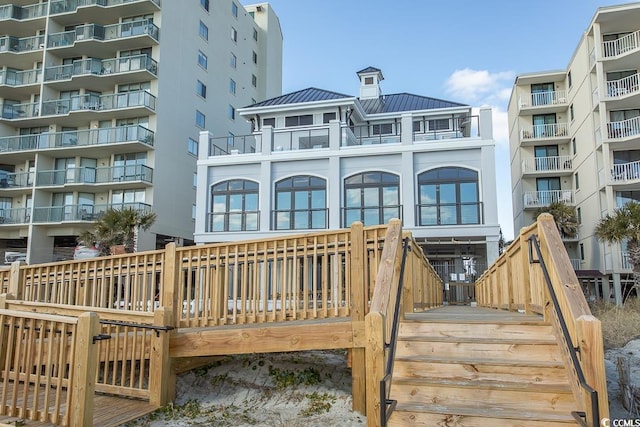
[467, 51]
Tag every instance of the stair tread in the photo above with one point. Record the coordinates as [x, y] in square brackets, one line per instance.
[492, 410]
[480, 361]
[515, 341]
[484, 384]
[529, 321]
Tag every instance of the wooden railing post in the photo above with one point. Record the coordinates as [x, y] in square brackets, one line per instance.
[590, 341]
[85, 365]
[374, 333]
[15, 280]
[170, 281]
[526, 277]
[161, 377]
[359, 302]
[408, 279]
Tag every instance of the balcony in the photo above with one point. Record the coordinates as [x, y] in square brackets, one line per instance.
[83, 7]
[228, 145]
[626, 173]
[537, 199]
[79, 138]
[622, 53]
[303, 139]
[547, 165]
[25, 51]
[450, 214]
[233, 221]
[23, 20]
[98, 40]
[16, 180]
[14, 216]
[544, 102]
[100, 175]
[575, 263]
[625, 261]
[19, 84]
[623, 94]
[624, 133]
[81, 213]
[362, 135]
[102, 69]
[535, 133]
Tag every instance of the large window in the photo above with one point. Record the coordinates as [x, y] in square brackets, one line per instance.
[448, 196]
[234, 206]
[543, 125]
[303, 120]
[301, 203]
[371, 197]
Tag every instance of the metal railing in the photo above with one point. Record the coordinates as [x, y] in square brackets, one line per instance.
[101, 67]
[624, 86]
[364, 135]
[624, 128]
[65, 6]
[568, 342]
[551, 163]
[370, 215]
[300, 139]
[620, 46]
[20, 78]
[552, 97]
[624, 172]
[450, 213]
[85, 137]
[233, 221]
[16, 180]
[544, 131]
[82, 212]
[24, 44]
[544, 198]
[104, 33]
[14, 216]
[241, 144]
[99, 175]
[300, 219]
[32, 11]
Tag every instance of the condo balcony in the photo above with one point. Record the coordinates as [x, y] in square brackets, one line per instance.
[98, 40]
[81, 213]
[129, 174]
[18, 180]
[101, 74]
[101, 138]
[368, 135]
[544, 102]
[139, 101]
[99, 11]
[23, 52]
[19, 84]
[626, 174]
[533, 134]
[14, 216]
[540, 166]
[16, 19]
[623, 46]
[625, 134]
[537, 199]
[623, 93]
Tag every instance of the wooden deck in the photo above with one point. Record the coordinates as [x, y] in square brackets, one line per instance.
[470, 314]
[109, 411]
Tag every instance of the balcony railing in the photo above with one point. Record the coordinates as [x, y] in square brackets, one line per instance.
[98, 136]
[575, 263]
[625, 261]
[101, 175]
[450, 214]
[536, 199]
[552, 97]
[370, 215]
[82, 212]
[101, 67]
[303, 139]
[624, 86]
[625, 172]
[32, 11]
[25, 44]
[233, 221]
[622, 45]
[14, 216]
[242, 144]
[363, 135]
[65, 6]
[19, 78]
[459, 127]
[104, 33]
[542, 164]
[300, 219]
[624, 128]
[544, 131]
[17, 180]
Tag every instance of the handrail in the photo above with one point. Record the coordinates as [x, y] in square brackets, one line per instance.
[593, 394]
[388, 405]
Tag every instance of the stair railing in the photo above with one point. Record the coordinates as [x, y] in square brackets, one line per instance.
[580, 416]
[387, 405]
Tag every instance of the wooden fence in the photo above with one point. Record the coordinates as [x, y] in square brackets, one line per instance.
[516, 281]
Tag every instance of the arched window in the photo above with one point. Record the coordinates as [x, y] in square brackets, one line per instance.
[301, 203]
[449, 196]
[371, 197]
[234, 206]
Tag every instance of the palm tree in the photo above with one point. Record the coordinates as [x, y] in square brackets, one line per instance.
[118, 227]
[564, 215]
[624, 224]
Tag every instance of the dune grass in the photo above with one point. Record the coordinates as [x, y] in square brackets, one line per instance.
[619, 324]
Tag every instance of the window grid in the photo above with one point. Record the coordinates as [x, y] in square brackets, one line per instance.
[234, 206]
[204, 31]
[372, 198]
[202, 59]
[448, 196]
[300, 203]
[192, 146]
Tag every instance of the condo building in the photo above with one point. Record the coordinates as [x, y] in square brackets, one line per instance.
[101, 105]
[318, 159]
[574, 136]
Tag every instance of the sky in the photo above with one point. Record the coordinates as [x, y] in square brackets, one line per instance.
[469, 51]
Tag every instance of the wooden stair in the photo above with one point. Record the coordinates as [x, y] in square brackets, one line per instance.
[479, 370]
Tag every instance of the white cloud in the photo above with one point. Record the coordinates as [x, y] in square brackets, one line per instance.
[480, 86]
